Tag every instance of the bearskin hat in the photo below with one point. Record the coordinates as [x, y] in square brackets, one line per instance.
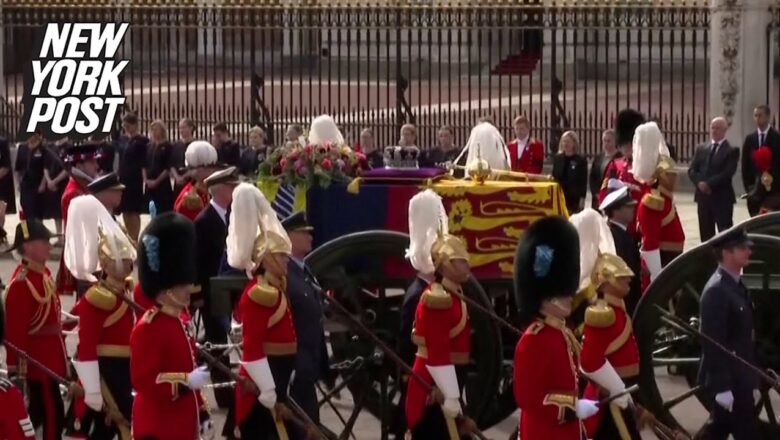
[627, 121]
[547, 263]
[166, 254]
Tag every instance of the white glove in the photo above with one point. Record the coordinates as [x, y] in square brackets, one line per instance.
[653, 262]
[451, 408]
[586, 408]
[725, 400]
[206, 430]
[607, 378]
[267, 398]
[94, 401]
[198, 378]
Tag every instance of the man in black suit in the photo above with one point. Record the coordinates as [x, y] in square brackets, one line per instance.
[763, 135]
[211, 230]
[228, 151]
[598, 167]
[711, 171]
[619, 207]
[727, 317]
[305, 295]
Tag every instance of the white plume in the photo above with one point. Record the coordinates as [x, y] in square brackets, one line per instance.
[87, 216]
[427, 219]
[485, 141]
[595, 239]
[250, 216]
[649, 145]
[200, 153]
[324, 131]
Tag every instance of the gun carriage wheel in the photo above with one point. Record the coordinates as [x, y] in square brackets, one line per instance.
[366, 272]
[670, 358]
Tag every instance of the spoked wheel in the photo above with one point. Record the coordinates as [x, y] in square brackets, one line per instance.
[366, 273]
[670, 358]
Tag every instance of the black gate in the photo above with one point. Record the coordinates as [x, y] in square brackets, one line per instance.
[378, 67]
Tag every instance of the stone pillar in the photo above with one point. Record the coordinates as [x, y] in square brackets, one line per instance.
[739, 62]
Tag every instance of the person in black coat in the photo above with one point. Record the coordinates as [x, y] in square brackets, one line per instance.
[56, 177]
[763, 135]
[599, 166]
[305, 294]
[711, 171]
[178, 165]
[619, 207]
[253, 154]
[211, 230]
[157, 172]
[367, 146]
[7, 192]
[727, 317]
[132, 148]
[444, 152]
[228, 151]
[570, 170]
[30, 166]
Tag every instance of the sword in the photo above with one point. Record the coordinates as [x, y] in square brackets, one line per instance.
[770, 378]
[393, 356]
[73, 387]
[489, 313]
[630, 390]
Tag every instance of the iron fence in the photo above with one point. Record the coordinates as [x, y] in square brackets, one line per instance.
[380, 67]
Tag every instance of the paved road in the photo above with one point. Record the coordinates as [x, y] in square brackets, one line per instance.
[691, 413]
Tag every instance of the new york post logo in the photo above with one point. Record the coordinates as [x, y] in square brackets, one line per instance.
[72, 88]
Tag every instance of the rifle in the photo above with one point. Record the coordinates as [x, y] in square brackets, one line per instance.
[769, 377]
[70, 385]
[400, 363]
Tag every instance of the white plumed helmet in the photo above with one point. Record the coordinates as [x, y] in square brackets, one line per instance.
[486, 142]
[648, 148]
[595, 239]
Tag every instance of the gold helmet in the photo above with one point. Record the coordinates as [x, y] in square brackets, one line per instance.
[608, 268]
[430, 244]
[254, 229]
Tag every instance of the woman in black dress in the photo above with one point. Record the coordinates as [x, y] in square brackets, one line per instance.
[570, 170]
[132, 148]
[254, 154]
[29, 167]
[186, 135]
[7, 192]
[157, 174]
[56, 177]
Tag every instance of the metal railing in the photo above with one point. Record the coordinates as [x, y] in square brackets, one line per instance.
[379, 66]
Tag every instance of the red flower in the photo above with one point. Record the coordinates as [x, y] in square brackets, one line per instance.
[326, 164]
[307, 149]
[283, 162]
[763, 158]
[360, 156]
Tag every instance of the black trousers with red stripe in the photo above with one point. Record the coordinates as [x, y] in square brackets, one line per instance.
[46, 408]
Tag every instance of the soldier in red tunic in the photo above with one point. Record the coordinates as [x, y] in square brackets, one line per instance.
[163, 370]
[35, 327]
[662, 233]
[15, 424]
[619, 168]
[609, 355]
[442, 330]
[201, 160]
[547, 267]
[96, 244]
[526, 154]
[82, 160]
[258, 243]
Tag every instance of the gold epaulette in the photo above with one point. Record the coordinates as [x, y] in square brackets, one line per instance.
[192, 200]
[150, 314]
[437, 297]
[653, 200]
[264, 294]
[101, 298]
[599, 315]
[535, 327]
